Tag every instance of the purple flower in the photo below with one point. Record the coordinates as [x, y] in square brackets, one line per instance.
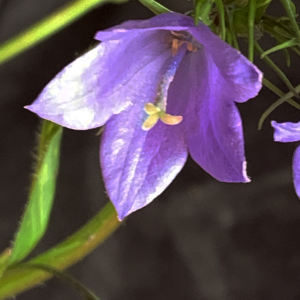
[163, 87]
[290, 132]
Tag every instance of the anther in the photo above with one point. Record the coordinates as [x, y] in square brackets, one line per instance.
[179, 40]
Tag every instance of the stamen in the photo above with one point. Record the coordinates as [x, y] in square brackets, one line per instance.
[177, 43]
[175, 46]
[179, 40]
[192, 48]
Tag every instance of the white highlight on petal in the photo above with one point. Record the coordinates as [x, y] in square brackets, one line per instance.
[82, 117]
[117, 146]
[247, 179]
[70, 83]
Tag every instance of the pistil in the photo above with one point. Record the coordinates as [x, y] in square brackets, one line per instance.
[157, 110]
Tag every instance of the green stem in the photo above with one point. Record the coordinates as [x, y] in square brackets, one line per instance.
[231, 29]
[65, 254]
[251, 18]
[221, 10]
[46, 27]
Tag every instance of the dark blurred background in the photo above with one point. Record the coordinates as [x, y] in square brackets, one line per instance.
[201, 239]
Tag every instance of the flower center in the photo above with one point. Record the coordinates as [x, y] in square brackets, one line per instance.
[157, 110]
[179, 38]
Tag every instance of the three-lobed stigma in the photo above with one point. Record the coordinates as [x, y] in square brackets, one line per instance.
[155, 113]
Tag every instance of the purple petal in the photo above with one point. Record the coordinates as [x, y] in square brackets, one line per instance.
[104, 81]
[296, 171]
[138, 165]
[167, 21]
[213, 124]
[237, 71]
[286, 132]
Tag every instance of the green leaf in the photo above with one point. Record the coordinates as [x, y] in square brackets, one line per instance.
[261, 7]
[278, 27]
[35, 219]
[16, 280]
[291, 12]
[255, 9]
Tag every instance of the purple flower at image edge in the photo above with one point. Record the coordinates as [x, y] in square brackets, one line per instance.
[290, 132]
[164, 88]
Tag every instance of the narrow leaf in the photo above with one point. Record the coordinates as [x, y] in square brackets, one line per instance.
[284, 98]
[221, 10]
[277, 70]
[35, 219]
[287, 44]
[277, 27]
[202, 11]
[287, 57]
[261, 7]
[231, 29]
[291, 12]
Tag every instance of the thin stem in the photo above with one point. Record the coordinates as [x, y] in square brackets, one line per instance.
[47, 27]
[251, 18]
[228, 37]
[65, 254]
[231, 30]
[284, 45]
[221, 10]
[62, 275]
[155, 7]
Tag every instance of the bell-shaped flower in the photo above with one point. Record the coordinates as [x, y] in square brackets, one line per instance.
[290, 132]
[163, 87]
